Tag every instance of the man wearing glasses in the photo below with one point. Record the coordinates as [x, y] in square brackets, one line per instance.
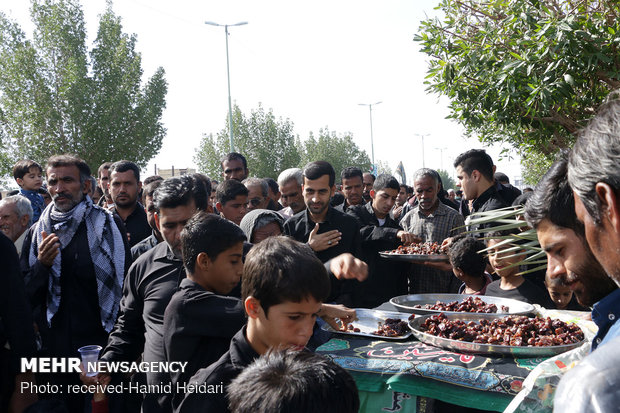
[258, 191]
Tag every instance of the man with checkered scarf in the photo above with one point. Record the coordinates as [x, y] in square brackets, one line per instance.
[74, 261]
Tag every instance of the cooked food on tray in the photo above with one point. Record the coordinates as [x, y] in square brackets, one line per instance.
[505, 331]
[468, 305]
[390, 327]
[422, 248]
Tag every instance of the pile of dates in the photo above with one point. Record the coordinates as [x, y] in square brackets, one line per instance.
[506, 331]
[468, 305]
[422, 248]
[392, 327]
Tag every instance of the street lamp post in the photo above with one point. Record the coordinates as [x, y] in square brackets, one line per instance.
[230, 124]
[372, 145]
[422, 136]
[441, 155]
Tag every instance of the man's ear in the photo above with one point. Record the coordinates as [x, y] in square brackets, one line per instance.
[252, 307]
[476, 175]
[19, 181]
[218, 205]
[610, 205]
[332, 191]
[373, 193]
[24, 220]
[156, 216]
[86, 187]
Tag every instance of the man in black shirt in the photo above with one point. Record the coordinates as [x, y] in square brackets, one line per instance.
[151, 282]
[474, 172]
[380, 232]
[327, 231]
[352, 188]
[149, 207]
[74, 261]
[125, 187]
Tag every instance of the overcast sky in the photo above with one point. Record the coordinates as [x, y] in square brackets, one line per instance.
[311, 62]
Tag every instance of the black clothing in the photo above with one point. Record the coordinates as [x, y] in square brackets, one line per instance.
[526, 292]
[77, 322]
[386, 279]
[300, 225]
[225, 370]
[143, 246]
[15, 320]
[137, 225]
[489, 200]
[508, 192]
[273, 205]
[149, 286]
[198, 327]
[447, 201]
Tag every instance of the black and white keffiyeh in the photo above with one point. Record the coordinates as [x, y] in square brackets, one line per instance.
[107, 252]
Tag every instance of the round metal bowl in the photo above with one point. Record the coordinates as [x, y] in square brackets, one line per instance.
[493, 349]
[406, 303]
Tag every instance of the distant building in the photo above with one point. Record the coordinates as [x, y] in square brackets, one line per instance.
[169, 173]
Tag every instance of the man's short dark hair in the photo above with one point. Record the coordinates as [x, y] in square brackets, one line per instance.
[475, 159]
[288, 381]
[315, 170]
[351, 172]
[208, 233]
[150, 188]
[22, 167]
[70, 160]
[280, 269]
[234, 156]
[553, 199]
[464, 254]
[180, 191]
[204, 179]
[229, 190]
[124, 166]
[273, 185]
[103, 166]
[384, 181]
[152, 178]
[501, 177]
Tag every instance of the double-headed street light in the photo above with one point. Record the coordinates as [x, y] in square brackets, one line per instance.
[372, 145]
[230, 124]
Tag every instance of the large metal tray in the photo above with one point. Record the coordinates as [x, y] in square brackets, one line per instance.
[467, 347]
[414, 257]
[368, 321]
[405, 303]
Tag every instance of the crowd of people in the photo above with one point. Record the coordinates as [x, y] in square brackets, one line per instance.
[230, 277]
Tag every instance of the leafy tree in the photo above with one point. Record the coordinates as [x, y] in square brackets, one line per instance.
[446, 179]
[525, 72]
[383, 167]
[339, 151]
[54, 99]
[268, 144]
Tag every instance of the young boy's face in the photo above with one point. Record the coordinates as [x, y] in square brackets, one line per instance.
[224, 273]
[287, 324]
[560, 295]
[32, 181]
[502, 261]
[234, 210]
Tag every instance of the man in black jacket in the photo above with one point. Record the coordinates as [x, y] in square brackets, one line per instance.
[379, 232]
[327, 231]
[474, 173]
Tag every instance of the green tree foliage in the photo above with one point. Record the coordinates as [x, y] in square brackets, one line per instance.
[268, 144]
[56, 97]
[525, 72]
[339, 151]
[446, 179]
[383, 167]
